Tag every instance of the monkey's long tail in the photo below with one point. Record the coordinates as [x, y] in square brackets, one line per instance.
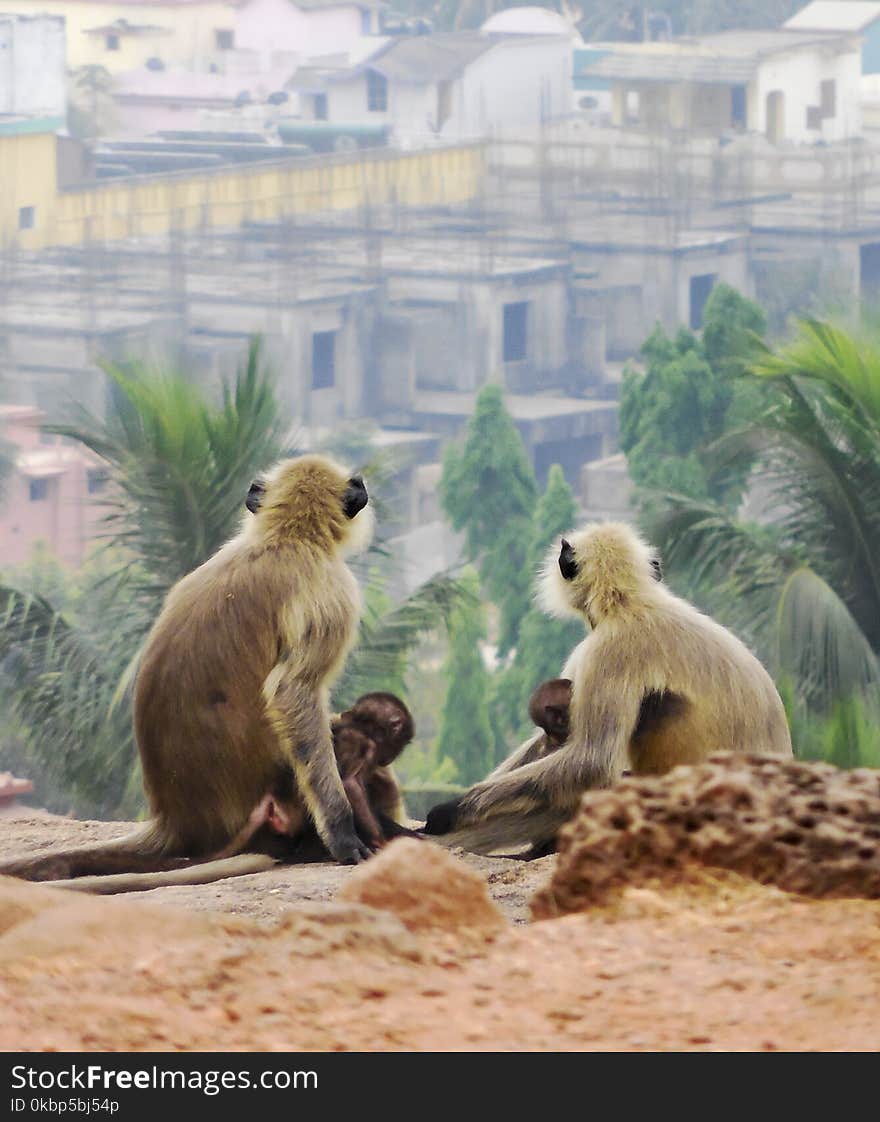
[204, 872]
[144, 851]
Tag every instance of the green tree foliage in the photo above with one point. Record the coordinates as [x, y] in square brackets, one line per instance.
[687, 395]
[805, 588]
[488, 490]
[465, 733]
[544, 643]
[178, 469]
[90, 109]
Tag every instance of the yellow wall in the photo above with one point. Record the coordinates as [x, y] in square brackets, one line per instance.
[192, 28]
[27, 178]
[151, 205]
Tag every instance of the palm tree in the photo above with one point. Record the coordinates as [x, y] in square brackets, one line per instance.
[178, 468]
[805, 586]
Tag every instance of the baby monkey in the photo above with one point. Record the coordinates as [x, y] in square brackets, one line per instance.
[549, 709]
[367, 739]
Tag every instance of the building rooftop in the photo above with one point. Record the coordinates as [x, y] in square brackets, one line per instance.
[123, 27]
[730, 57]
[14, 124]
[531, 21]
[835, 15]
[522, 407]
[416, 59]
[313, 5]
[430, 58]
[183, 85]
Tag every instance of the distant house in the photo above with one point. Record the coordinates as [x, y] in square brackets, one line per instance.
[309, 27]
[859, 17]
[150, 101]
[53, 494]
[450, 86]
[124, 34]
[792, 86]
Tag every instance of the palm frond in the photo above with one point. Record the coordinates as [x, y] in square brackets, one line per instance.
[819, 458]
[828, 353]
[54, 681]
[388, 636]
[820, 644]
[179, 467]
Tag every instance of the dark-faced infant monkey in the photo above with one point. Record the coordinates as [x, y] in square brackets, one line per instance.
[231, 696]
[654, 684]
[368, 738]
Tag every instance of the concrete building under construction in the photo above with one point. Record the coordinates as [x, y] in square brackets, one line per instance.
[389, 286]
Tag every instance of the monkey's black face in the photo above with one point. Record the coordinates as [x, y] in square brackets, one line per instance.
[567, 562]
[658, 568]
[255, 496]
[355, 497]
[442, 818]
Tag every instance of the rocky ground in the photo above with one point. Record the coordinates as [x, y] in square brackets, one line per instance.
[420, 949]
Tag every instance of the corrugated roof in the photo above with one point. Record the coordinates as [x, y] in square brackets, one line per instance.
[429, 58]
[731, 57]
[835, 15]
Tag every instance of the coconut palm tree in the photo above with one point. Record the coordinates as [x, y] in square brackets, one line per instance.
[177, 468]
[804, 586]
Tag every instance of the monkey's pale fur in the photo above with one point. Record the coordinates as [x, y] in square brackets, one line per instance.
[231, 696]
[647, 648]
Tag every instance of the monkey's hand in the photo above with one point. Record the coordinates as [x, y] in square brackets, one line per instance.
[355, 855]
[443, 818]
[347, 848]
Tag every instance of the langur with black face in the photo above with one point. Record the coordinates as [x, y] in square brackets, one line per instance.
[654, 684]
[231, 700]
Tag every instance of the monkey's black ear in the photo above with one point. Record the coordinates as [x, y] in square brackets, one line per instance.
[658, 568]
[255, 496]
[355, 497]
[567, 561]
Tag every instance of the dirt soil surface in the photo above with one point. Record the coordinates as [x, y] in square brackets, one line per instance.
[276, 962]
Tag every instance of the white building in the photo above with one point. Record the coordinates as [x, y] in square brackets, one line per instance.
[451, 86]
[531, 21]
[791, 86]
[858, 17]
[32, 67]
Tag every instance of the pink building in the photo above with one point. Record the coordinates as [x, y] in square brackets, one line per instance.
[310, 27]
[150, 101]
[51, 496]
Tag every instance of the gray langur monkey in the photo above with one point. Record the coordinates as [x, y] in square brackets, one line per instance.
[231, 699]
[656, 683]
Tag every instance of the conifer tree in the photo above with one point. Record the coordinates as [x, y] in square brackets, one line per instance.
[465, 732]
[544, 643]
[488, 490]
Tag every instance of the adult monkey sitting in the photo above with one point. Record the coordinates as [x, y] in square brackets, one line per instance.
[231, 697]
[655, 684]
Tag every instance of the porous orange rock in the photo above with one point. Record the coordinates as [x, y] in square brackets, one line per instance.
[809, 828]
